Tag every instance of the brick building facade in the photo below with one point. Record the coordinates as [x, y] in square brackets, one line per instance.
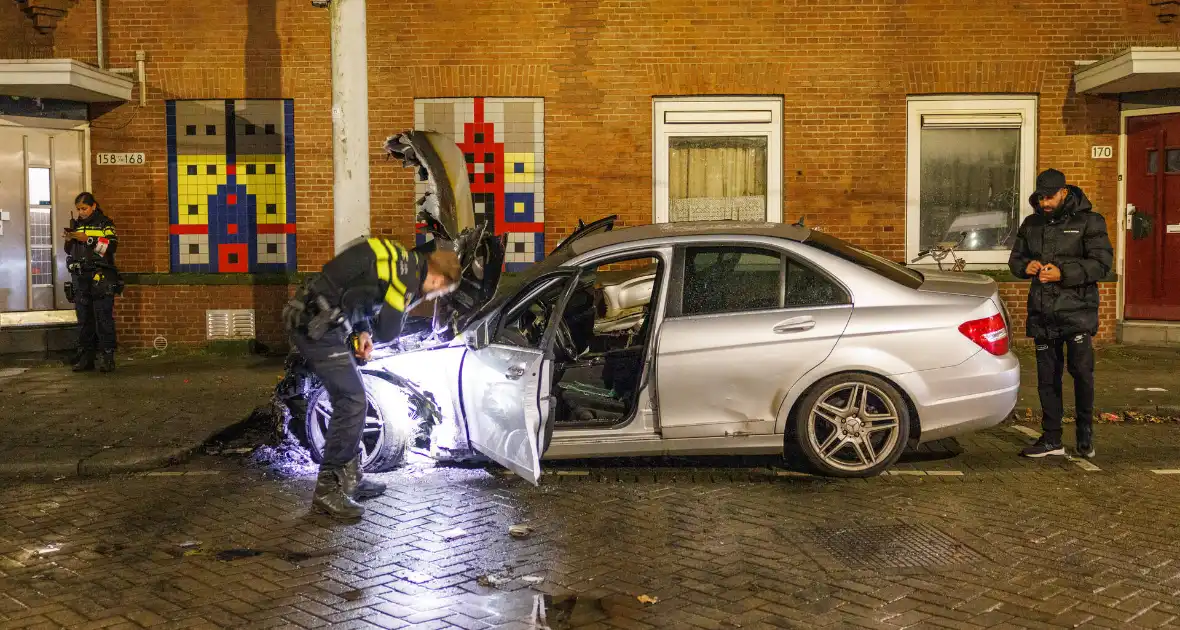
[847, 74]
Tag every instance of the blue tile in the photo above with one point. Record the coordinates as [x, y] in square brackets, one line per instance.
[510, 213]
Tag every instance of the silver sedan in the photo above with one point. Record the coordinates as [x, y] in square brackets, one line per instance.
[713, 338]
[683, 338]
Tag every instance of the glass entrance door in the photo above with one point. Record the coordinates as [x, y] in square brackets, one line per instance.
[41, 170]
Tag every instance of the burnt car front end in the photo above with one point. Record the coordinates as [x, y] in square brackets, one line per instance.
[446, 213]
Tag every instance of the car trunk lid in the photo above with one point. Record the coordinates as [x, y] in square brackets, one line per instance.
[958, 283]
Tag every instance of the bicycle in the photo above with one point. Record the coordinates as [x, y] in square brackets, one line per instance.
[940, 251]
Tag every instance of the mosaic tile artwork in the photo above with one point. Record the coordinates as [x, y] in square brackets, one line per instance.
[503, 140]
[231, 176]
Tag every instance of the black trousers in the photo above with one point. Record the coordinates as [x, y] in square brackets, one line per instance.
[333, 362]
[1054, 357]
[95, 306]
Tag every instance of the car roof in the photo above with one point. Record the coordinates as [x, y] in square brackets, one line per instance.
[687, 228]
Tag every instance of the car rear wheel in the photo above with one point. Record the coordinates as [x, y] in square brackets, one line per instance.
[852, 425]
[387, 434]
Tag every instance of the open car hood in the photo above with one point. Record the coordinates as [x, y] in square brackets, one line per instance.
[440, 164]
[447, 210]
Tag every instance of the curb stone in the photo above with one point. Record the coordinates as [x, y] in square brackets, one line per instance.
[24, 462]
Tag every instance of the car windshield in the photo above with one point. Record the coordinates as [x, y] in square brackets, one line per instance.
[881, 266]
[511, 283]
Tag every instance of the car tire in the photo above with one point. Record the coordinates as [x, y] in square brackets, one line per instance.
[388, 430]
[851, 425]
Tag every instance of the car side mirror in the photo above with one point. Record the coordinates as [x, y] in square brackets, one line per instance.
[480, 336]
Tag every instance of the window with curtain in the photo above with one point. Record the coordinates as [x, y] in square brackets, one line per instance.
[717, 178]
[717, 158]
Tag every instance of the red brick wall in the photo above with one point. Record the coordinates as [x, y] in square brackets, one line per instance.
[844, 68]
[18, 38]
[178, 312]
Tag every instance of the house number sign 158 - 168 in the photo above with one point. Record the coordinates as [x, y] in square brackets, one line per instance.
[1101, 153]
[120, 159]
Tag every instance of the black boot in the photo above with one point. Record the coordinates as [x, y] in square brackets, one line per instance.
[1085, 434]
[357, 486]
[106, 362]
[330, 497]
[85, 362]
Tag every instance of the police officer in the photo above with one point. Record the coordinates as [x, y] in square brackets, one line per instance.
[1063, 247]
[90, 257]
[363, 293]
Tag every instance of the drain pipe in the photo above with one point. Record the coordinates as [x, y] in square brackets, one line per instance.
[102, 56]
[140, 63]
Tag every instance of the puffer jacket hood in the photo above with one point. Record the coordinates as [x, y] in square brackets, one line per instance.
[1075, 202]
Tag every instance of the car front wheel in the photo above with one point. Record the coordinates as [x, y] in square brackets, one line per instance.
[387, 433]
[852, 425]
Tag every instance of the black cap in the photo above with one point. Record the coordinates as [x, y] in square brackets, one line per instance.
[1049, 182]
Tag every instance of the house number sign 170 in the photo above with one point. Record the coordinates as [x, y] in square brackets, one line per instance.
[1101, 153]
[119, 159]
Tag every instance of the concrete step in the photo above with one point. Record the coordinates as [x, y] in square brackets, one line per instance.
[1149, 333]
[44, 340]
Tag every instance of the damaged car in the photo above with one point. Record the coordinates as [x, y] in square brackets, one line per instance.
[673, 339]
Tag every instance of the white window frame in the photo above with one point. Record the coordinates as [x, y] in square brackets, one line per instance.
[969, 111]
[719, 116]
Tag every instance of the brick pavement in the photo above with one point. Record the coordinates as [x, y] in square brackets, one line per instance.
[721, 543]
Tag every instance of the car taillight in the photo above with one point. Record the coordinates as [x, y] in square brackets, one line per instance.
[989, 333]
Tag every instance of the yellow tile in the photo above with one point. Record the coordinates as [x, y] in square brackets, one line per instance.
[518, 207]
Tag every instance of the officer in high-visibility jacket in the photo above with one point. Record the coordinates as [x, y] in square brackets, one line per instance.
[90, 258]
[362, 293]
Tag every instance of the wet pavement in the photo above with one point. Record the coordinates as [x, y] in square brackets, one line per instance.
[960, 536]
[151, 411]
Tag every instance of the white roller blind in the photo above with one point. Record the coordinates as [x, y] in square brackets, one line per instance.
[976, 121]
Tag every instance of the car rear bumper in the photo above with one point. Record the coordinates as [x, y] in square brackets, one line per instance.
[974, 395]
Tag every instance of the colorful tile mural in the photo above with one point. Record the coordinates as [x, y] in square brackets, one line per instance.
[503, 140]
[231, 175]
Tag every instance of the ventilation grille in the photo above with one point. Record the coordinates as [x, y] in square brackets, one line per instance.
[229, 324]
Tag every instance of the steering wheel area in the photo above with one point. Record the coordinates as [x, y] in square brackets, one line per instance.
[533, 322]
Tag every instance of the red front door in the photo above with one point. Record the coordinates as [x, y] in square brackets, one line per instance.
[1153, 229]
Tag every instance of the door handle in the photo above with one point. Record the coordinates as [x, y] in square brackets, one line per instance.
[795, 324]
[514, 373]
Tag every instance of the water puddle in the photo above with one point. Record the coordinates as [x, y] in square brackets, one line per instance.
[552, 612]
[538, 611]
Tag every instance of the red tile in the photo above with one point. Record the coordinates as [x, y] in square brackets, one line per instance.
[231, 200]
[231, 169]
[239, 264]
[232, 228]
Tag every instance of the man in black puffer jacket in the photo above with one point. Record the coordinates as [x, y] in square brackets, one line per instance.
[1064, 249]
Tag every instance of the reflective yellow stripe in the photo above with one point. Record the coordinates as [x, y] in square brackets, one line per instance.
[395, 299]
[393, 277]
[94, 233]
[382, 254]
[395, 294]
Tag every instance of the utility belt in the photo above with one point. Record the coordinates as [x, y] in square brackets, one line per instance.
[98, 279]
[312, 313]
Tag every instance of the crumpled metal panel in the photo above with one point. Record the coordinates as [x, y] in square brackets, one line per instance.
[440, 164]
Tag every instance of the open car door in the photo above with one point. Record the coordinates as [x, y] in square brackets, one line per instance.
[506, 376]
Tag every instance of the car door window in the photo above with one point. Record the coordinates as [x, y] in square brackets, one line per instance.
[807, 287]
[527, 318]
[731, 280]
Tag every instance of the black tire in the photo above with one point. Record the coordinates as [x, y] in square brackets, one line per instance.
[388, 429]
[836, 441]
